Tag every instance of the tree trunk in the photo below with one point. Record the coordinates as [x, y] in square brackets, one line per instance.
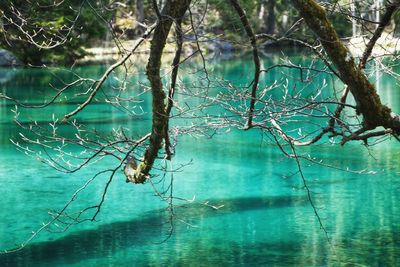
[353, 19]
[271, 18]
[368, 101]
[139, 15]
[396, 18]
[172, 11]
[139, 11]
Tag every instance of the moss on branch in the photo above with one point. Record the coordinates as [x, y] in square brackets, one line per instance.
[173, 10]
[367, 99]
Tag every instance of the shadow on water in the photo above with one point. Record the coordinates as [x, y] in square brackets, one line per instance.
[147, 230]
[138, 242]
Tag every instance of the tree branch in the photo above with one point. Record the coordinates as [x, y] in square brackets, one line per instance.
[367, 99]
[105, 76]
[392, 7]
[172, 11]
[171, 91]
[256, 59]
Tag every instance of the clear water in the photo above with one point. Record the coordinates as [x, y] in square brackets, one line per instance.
[266, 219]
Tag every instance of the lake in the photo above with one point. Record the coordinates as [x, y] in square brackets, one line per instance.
[264, 216]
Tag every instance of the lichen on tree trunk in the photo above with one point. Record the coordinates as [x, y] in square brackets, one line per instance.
[367, 99]
[172, 11]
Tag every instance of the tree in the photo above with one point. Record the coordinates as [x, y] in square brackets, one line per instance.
[251, 107]
[368, 103]
[44, 31]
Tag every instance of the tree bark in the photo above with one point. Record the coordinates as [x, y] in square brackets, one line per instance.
[271, 18]
[139, 11]
[256, 59]
[173, 10]
[172, 87]
[387, 17]
[367, 100]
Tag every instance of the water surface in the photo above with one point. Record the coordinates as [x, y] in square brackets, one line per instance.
[265, 218]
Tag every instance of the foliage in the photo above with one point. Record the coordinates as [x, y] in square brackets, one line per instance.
[81, 24]
[74, 24]
[221, 19]
[341, 24]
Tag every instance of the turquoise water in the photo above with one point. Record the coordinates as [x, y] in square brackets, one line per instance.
[265, 218]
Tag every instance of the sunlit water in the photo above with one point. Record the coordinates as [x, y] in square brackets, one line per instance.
[265, 216]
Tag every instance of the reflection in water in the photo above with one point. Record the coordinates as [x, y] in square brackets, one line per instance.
[7, 74]
[377, 248]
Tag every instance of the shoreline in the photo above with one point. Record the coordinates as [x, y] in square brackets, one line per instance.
[386, 45]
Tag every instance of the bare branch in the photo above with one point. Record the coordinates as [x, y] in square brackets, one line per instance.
[100, 82]
[256, 59]
[171, 11]
[391, 9]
